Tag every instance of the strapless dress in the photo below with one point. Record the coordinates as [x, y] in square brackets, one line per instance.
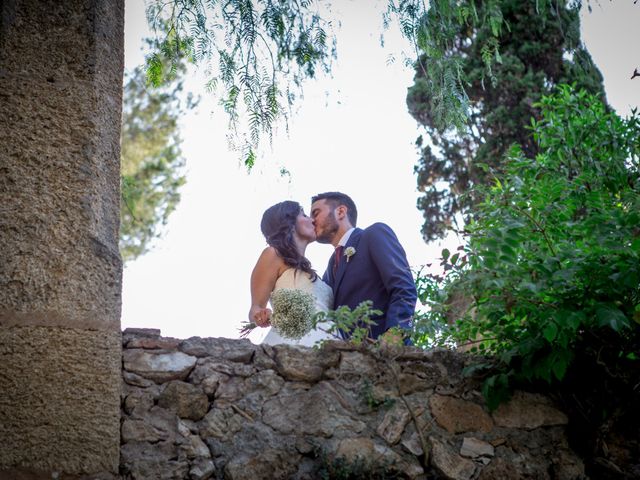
[323, 294]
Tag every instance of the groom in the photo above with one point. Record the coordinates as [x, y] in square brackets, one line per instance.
[367, 264]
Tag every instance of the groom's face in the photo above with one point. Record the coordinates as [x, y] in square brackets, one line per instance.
[324, 221]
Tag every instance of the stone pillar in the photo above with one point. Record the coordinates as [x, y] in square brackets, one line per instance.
[61, 68]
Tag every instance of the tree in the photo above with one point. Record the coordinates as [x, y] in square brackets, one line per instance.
[552, 268]
[151, 162]
[538, 49]
[260, 51]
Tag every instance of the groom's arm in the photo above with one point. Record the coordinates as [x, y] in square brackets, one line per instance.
[391, 262]
[325, 275]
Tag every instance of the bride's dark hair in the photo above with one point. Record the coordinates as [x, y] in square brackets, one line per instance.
[278, 225]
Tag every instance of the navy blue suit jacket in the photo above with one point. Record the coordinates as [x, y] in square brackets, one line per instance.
[378, 271]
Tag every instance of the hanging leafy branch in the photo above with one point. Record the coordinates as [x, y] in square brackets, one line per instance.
[257, 52]
[435, 29]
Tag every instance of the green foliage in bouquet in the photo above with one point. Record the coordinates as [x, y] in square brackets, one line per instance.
[551, 270]
[294, 315]
[357, 322]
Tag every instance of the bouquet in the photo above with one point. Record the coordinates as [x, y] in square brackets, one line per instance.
[293, 313]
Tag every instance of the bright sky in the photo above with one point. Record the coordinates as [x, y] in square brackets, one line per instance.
[351, 133]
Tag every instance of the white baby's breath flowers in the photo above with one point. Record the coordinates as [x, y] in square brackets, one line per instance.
[293, 312]
[349, 252]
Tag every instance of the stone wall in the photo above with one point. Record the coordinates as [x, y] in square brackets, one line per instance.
[219, 408]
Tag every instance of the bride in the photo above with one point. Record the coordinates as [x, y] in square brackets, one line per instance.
[282, 264]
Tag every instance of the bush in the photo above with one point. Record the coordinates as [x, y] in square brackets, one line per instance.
[551, 264]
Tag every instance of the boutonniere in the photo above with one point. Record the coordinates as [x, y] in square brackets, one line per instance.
[349, 252]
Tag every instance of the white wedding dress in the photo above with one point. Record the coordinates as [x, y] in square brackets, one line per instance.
[323, 294]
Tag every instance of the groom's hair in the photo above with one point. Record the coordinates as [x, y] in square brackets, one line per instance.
[336, 199]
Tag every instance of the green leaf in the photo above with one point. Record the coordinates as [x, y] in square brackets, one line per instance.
[250, 159]
[560, 363]
[550, 331]
[532, 287]
[513, 241]
[575, 320]
[474, 369]
[610, 316]
[495, 390]
[507, 250]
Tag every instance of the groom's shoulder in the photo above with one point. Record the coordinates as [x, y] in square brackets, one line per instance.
[377, 232]
[377, 228]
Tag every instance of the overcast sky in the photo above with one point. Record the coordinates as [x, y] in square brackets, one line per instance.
[351, 133]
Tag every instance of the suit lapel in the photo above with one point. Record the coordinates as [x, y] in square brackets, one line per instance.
[342, 268]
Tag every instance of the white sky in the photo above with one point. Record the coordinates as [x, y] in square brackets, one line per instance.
[351, 133]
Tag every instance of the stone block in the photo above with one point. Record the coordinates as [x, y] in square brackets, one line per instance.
[186, 400]
[528, 411]
[451, 465]
[159, 367]
[459, 416]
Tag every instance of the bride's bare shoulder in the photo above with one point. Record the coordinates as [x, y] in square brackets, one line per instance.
[271, 258]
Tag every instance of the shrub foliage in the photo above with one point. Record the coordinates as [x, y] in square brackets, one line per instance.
[551, 267]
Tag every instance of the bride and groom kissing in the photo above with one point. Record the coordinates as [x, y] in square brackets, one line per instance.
[367, 264]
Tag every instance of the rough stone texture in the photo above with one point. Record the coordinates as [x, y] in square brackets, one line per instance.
[60, 400]
[527, 410]
[363, 451]
[270, 463]
[473, 448]
[458, 416]
[303, 364]
[288, 412]
[186, 400]
[502, 469]
[240, 351]
[394, 423]
[60, 270]
[160, 460]
[449, 463]
[314, 412]
[154, 343]
[159, 367]
[61, 94]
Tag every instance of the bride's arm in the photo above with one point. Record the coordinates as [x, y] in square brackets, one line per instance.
[263, 281]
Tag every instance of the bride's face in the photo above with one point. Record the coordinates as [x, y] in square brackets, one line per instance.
[304, 227]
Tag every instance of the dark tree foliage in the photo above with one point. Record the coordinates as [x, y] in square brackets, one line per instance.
[151, 158]
[539, 47]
